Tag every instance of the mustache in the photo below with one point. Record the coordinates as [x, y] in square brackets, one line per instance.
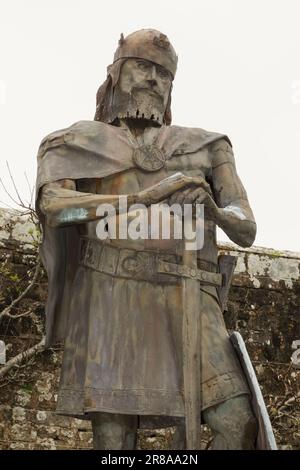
[149, 91]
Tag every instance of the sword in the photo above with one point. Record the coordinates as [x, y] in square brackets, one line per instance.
[265, 439]
[191, 333]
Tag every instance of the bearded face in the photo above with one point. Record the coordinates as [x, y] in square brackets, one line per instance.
[142, 91]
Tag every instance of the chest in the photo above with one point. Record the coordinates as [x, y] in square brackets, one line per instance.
[135, 179]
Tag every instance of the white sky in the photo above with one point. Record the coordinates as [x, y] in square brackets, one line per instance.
[238, 73]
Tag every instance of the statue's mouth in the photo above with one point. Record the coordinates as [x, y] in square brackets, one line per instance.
[147, 91]
[139, 115]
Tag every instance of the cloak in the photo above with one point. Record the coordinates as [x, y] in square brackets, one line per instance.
[90, 149]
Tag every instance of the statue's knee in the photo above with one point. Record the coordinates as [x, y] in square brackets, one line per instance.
[247, 427]
[234, 422]
[241, 416]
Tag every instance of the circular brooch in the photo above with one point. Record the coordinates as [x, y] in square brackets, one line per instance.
[149, 158]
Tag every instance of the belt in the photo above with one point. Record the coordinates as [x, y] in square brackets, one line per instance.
[148, 266]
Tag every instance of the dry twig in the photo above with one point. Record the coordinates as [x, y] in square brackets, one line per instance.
[6, 311]
[25, 355]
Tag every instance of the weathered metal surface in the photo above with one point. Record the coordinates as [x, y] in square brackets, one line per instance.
[191, 332]
[227, 264]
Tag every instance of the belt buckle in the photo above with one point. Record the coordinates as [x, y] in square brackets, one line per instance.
[136, 265]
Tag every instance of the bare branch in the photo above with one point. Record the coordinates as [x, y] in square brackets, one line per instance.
[25, 355]
[287, 403]
[6, 311]
[29, 207]
[9, 195]
[28, 184]
[14, 185]
[27, 212]
[31, 190]
[19, 315]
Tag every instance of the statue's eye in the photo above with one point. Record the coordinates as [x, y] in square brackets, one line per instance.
[163, 73]
[143, 65]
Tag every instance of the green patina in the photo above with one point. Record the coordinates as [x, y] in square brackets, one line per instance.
[72, 215]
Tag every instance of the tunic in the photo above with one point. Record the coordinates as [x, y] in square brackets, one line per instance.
[123, 343]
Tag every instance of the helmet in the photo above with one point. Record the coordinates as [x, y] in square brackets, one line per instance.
[148, 44]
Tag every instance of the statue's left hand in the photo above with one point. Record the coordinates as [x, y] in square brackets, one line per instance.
[197, 196]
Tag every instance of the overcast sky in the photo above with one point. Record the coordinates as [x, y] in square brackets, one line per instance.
[238, 73]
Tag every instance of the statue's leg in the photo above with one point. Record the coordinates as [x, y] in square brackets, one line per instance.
[178, 439]
[233, 424]
[114, 431]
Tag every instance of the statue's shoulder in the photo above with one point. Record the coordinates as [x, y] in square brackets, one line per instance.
[193, 138]
[79, 132]
[78, 128]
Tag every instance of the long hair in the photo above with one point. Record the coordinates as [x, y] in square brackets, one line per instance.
[104, 97]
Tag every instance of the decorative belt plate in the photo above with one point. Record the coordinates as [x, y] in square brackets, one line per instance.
[149, 158]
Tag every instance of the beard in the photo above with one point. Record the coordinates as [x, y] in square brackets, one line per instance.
[140, 103]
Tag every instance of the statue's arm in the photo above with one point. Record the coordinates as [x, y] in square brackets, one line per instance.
[235, 216]
[63, 205]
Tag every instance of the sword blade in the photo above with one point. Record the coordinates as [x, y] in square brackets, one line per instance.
[191, 332]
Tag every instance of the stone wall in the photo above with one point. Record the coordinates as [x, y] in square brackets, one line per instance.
[264, 305]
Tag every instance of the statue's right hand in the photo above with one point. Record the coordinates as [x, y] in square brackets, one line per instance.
[166, 187]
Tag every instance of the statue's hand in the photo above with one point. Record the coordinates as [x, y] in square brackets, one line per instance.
[170, 185]
[198, 182]
[197, 196]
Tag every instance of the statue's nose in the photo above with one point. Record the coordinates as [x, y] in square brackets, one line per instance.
[152, 83]
[152, 77]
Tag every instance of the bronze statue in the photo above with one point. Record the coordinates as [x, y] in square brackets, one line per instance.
[119, 314]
